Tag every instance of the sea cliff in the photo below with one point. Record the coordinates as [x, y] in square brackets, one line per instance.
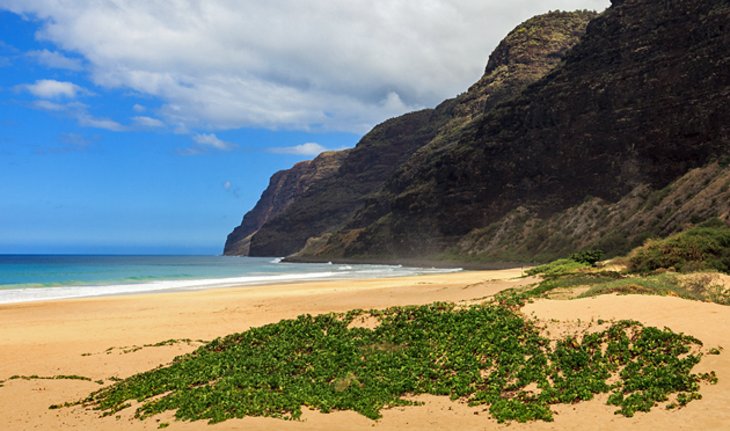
[585, 131]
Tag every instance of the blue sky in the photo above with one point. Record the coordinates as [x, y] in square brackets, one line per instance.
[151, 127]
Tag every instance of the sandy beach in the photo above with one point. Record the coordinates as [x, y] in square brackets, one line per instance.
[101, 338]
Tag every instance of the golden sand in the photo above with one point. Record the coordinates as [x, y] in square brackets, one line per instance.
[72, 337]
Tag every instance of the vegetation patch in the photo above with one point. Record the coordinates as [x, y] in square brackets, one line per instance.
[704, 247]
[486, 355]
[557, 267]
[707, 287]
[574, 263]
[588, 257]
[666, 284]
[653, 269]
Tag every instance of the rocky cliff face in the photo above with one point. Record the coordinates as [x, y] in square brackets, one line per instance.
[528, 53]
[557, 148]
[284, 187]
[641, 100]
[328, 203]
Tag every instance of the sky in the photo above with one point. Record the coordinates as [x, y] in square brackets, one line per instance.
[138, 127]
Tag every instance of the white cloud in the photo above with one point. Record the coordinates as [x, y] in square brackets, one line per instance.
[56, 60]
[212, 141]
[138, 108]
[318, 64]
[80, 113]
[87, 120]
[50, 89]
[227, 185]
[306, 149]
[147, 121]
[46, 105]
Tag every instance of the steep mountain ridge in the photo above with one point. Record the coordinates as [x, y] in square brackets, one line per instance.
[525, 55]
[585, 154]
[640, 101]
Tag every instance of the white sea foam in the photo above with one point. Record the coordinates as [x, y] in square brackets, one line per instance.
[31, 294]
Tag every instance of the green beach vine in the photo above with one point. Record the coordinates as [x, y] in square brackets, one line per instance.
[485, 355]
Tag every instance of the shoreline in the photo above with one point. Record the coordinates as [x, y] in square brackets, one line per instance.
[413, 262]
[105, 338]
[293, 287]
[26, 294]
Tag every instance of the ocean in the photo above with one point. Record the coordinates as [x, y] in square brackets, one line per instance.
[26, 278]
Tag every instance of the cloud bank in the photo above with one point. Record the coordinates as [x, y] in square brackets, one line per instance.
[314, 65]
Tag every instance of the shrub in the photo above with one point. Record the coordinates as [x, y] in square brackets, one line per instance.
[704, 247]
[557, 268]
[589, 257]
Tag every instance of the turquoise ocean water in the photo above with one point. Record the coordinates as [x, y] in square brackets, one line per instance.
[25, 278]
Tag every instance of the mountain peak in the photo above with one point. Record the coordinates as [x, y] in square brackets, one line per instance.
[540, 39]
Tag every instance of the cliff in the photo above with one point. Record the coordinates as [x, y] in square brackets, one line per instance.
[328, 203]
[284, 187]
[528, 53]
[568, 141]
